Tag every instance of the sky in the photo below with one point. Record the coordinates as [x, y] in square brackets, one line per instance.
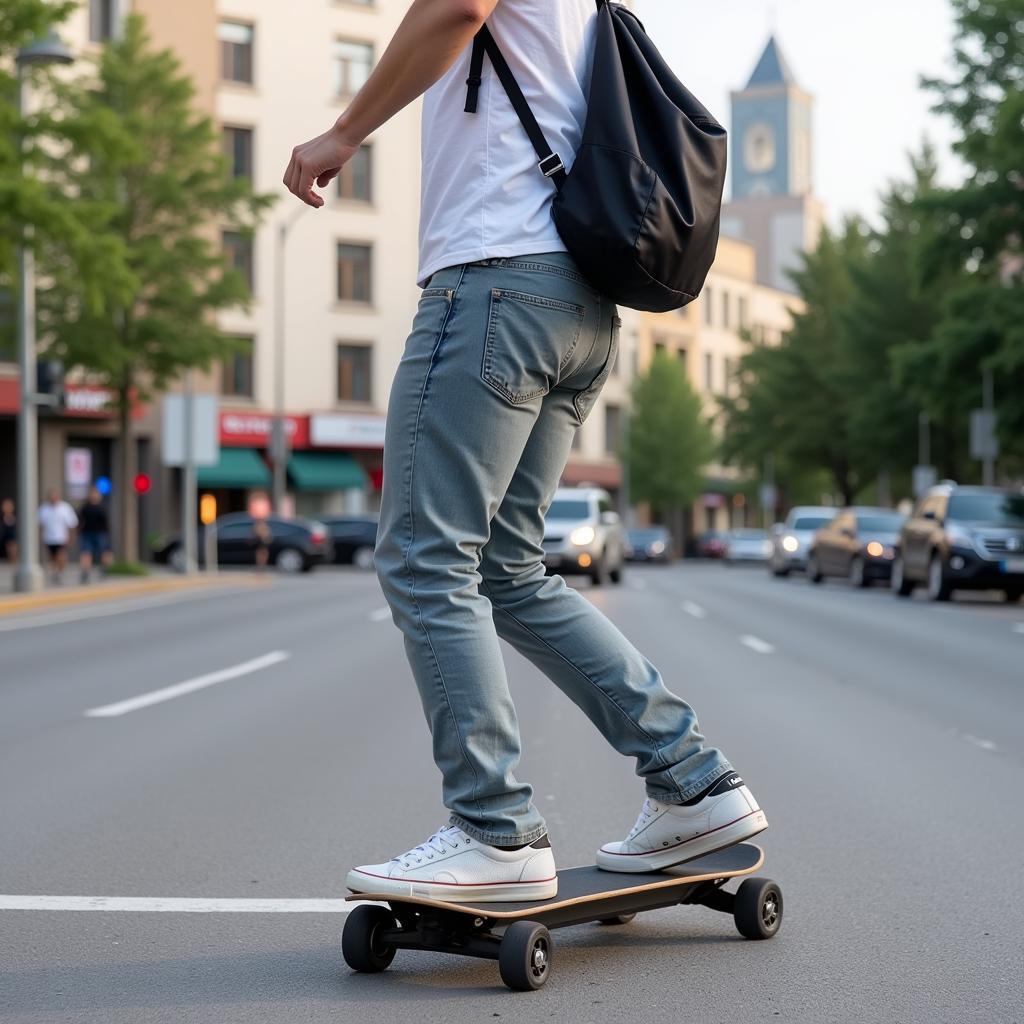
[861, 61]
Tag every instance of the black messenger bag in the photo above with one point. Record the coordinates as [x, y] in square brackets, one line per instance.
[639, 210]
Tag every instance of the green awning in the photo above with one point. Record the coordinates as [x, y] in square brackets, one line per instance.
[325, 471]
[237, 467]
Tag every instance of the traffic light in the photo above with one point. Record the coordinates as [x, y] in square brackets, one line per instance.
[207, 509]
[142, 483]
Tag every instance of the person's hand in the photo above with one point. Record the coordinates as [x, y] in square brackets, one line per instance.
[318, 160]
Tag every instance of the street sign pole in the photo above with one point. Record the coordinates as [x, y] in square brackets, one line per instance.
[188, 479]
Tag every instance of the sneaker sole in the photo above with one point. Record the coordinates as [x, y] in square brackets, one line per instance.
[721, 838]
[499, 892]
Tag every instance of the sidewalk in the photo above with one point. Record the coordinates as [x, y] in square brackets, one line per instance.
[109, 588]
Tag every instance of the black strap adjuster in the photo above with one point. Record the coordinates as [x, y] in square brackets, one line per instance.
[551, 165]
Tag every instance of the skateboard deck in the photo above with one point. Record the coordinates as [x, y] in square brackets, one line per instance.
[517, 934]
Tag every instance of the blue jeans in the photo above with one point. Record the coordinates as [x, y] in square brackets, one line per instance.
[505, 360]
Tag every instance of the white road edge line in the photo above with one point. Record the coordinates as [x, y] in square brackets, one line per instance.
[188, 686]
[380, 614]
[694, 609]
[757, 644]
[176, 905]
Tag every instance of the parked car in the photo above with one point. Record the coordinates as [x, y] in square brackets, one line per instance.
[747, 545]
[792, 538]
[710, 544]
[649, 544]
[962, 538]
[295, 545]
[353, 539]
[583, 534]
[858, 544]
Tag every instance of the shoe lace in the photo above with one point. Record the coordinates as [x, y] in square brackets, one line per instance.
[446, 839]
[647, 812]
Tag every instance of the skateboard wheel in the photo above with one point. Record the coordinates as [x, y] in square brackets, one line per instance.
[757, 909]
[361, 945]
[524, 958]
[617, 919]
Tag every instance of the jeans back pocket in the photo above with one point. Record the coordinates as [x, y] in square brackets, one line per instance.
[530, 338]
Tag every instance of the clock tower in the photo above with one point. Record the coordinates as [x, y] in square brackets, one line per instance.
[772, 203]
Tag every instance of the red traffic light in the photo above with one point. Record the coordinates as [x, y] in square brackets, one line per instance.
[142, 483]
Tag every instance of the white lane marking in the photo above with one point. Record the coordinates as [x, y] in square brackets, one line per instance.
[691, 608]
[176, 905]
[757, 644]
[380, 614]
[979, 742]
[140, 604]
[188, 686]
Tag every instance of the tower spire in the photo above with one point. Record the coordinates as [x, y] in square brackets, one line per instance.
[772, 68]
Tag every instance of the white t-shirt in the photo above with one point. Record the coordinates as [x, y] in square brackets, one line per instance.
[57, 522]
[482, 194]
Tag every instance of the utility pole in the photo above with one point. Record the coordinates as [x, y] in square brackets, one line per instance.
[29, 574]
[988, 464]
[188, 476]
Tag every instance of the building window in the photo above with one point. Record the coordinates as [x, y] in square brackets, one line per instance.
[354, 284]
[355, 181]
[709, 379]
[101, 20]
[354, 363]
[612, 428]
[237, 145]
[725, 310]
[239, 252]
[742, 312]
[709, 312]
[236, 369]
[353, 63]
[235, 51]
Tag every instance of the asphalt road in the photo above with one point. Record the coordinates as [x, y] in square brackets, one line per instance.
[884, 738]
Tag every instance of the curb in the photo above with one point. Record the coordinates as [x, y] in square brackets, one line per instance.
[95, 594]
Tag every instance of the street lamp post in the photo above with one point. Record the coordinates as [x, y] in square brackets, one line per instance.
[278, 437]
[29, 574]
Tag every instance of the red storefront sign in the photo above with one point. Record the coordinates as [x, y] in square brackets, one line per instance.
[253, 429]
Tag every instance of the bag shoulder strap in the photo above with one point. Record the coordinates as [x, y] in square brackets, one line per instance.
[550, 164]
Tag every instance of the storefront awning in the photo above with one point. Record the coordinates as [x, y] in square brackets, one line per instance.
[237, 467]
[325, 471]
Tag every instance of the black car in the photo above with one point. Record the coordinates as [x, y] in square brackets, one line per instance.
[296, 545]
[354, 538]
[649, 544]
[962, 538]
[858, 544]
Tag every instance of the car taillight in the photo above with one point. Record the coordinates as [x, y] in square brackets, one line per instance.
[317, 537]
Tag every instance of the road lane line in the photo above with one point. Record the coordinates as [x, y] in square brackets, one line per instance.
[176, 905]
[757, 644]
[380, 615]
[691, 608]
[188, 686]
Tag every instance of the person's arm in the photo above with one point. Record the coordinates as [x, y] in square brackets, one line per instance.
[426, 44]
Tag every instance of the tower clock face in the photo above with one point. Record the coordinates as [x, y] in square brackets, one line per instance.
[759, 148]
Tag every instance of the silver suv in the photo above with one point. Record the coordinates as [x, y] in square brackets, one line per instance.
[791, 540]
[583, 534]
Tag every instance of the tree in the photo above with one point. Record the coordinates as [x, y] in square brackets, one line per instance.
[139, 152]
[669, 440]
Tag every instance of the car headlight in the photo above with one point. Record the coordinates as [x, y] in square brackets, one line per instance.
[657, 547]
[790, 544]
[582, 536]
[875, 550]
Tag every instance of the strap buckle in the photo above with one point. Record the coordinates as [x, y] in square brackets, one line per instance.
[551, 165]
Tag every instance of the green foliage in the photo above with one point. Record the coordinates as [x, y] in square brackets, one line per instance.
[126, 569]
[669, 439]
[149, 167]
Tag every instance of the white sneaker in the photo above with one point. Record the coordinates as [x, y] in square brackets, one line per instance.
[667, 834]
[454, 866]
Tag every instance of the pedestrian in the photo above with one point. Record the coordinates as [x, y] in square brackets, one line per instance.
[510, 347]
[261, 537]
[8, 531]
[93, 534]
[56, 520]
